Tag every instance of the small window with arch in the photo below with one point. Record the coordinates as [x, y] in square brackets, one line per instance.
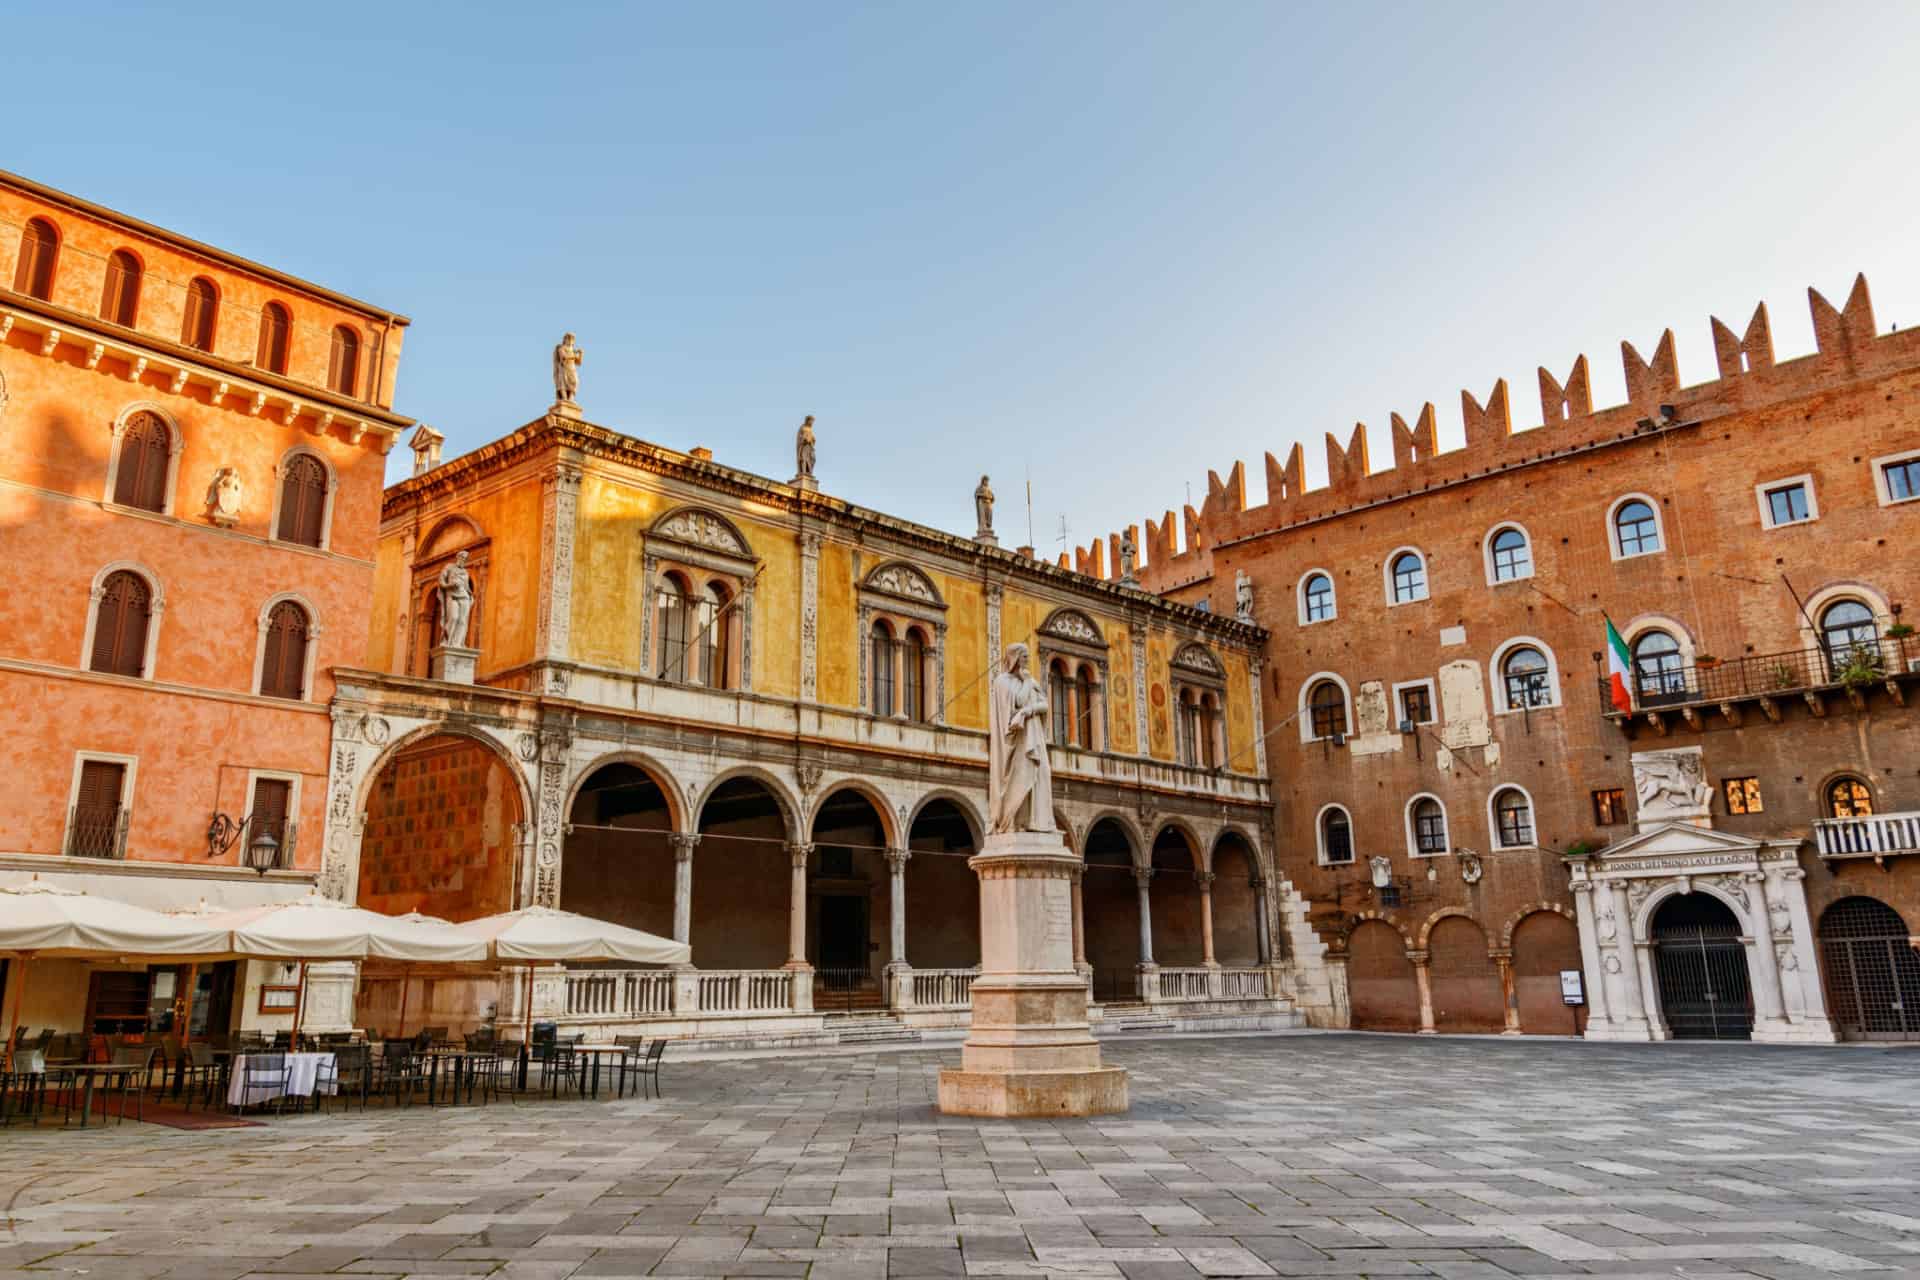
[1849, 797]
[1316, 598]
[1429, 827]
[1525, 673]
[1408, 577]
[1327, 708]
[1512, 559]
[33, 269]
[1336, 836]
[1636, 528]
[1513, 818]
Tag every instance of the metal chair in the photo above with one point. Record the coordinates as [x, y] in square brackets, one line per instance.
[629, 1062]
[23, 1090]
[135, 1082]
[263, 1071]
[650, 1069]
[403, 1072]
[201, 1072]
[564, 1062]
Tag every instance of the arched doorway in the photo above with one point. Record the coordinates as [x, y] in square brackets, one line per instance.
[1380, 985]
[943, 892]
[1110, 912]
[440, 831]
[618, 861]
[847, 901]
[1701, 967]
[1545, 943]
[1236, 909]
[1174, 901]
[1872, 970]
[1463, 978]
[742, 878]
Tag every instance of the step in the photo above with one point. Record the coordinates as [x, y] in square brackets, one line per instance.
[900, 1035]
[1120, 1026]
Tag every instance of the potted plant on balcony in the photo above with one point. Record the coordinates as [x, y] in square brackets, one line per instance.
[1784, 676]
[1705, 661]
[1863, 667]
[1899, 631]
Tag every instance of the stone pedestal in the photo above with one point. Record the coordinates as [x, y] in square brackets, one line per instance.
[1030, 1051]
[565, 409]
[327, 1005]
[452, 663]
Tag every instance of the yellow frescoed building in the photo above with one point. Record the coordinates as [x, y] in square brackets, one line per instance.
[751, 716]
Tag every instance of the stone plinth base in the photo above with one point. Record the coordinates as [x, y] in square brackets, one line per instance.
[1100, 1092]
[452, 663]
[1030, 1051]
[565, 409]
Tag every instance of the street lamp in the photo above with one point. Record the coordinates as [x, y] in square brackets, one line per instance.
[263, 852]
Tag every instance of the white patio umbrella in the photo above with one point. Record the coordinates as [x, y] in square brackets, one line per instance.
[39, 918]
[544, 933]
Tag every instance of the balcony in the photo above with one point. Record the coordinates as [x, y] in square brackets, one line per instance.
[97, 831]
[1878, 836]
[1767, 682]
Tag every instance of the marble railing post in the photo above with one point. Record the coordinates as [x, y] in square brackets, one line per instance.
[797, 855]
[899, 974]
[1509, 993]
[1425, 982]
[1148, 971]
[683, 847]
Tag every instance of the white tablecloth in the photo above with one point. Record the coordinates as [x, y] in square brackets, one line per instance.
[303, 1072]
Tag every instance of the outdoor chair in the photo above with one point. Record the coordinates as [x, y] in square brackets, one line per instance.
[282, 1041]
[135, 1082]
[403, 1072]
[498, 1075]
[650, 1070]
[23, 1090]
[564, 1063]
[263, 1071]
[629, 1062]
[201, 1074]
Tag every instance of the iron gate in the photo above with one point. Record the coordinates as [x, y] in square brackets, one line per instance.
[1702, 969]
[1872, 971]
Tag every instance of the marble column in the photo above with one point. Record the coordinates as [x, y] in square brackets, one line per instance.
[797, 855]
[1079, 922]
[1142, 877]
[1769, 1007]
[1424, 981]
[1509, 994]
[1205, 881]
[1635, 1013]
[1263, 938]
[1595, 975]
[683, 847]
[897, 908]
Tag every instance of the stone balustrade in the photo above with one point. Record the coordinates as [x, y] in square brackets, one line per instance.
[940, 988]
[1174, 985]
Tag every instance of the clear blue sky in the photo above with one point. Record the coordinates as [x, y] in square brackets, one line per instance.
[1117, 243]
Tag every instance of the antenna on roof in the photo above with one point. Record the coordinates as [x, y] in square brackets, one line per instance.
[1029, 503]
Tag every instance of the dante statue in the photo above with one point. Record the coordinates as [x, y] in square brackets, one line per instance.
[983, 509]
[803, 450]
[455, 596]
[566, 370]
[1242, 595]
[1020, 782]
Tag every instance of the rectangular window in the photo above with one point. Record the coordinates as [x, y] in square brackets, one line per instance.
[272, 802]
[1610, 806]
[1416, 703]
[1903, 480]
[1789, 501]
[97, 826]
[1742, 794]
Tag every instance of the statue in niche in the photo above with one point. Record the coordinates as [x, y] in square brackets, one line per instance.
[1020, 783]
[983, 509]
[224, 497]
[1129, 555]
[803, 450]
[1242, 595]
[1670, 783]
[455, 597]
[566, 370]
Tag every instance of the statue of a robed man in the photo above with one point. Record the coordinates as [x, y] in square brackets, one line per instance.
[1020, 784]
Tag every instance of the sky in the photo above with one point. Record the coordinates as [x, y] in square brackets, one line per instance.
[1108, 246]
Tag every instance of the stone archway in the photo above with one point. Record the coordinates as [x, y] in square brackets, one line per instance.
[739, 898]
[1174, 899]
[618, 860]
[1380, 984]
[442, 830]
[1236, 903]
[1872, 970]
[1544, 944]
[848, 901]
[1110, 911]
[1463, 978]
[1700, 969]
[942, 891]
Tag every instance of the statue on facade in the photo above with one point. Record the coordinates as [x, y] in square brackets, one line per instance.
[566, 370]
[1242, 595]
[1020, 781]
[803, 450]
[1671, 784]
[455, 598]
[1129, 554]
[983, 511]
[224, 497]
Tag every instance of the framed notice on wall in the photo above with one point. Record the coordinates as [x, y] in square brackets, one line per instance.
[278, 999]
[1571, 990]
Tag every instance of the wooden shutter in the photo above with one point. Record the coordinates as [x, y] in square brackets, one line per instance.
[303, 499]
[271, 354]
[121, 300]
[100, 782]
[145, 449]
[33, 271]
[202, 306]
[271, 799]
[283, 666]
[120, 626]
[343, 363]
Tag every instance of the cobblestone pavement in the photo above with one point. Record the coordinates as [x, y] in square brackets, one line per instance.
[1291, 1155]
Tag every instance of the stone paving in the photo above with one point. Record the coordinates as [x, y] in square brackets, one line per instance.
[1298, 1155]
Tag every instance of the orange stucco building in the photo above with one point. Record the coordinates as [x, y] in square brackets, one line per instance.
[191, 457]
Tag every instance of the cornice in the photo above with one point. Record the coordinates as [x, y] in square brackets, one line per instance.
[589, 442]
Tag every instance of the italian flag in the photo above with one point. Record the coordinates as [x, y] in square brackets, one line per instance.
[1619, 663]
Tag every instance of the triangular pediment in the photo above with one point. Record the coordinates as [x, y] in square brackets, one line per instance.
[1683, 840]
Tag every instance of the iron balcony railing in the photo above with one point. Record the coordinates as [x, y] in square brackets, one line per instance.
[97, 831]
[1856, 665]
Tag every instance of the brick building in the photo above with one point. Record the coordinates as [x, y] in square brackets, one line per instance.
[1470, 815]
[191, 457]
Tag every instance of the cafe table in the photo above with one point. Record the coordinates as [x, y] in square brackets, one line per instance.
[303, 1077]
[80, 1077]
[597, 1052]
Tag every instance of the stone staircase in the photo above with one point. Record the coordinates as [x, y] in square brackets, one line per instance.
[870, 1028]
[1119, 1018]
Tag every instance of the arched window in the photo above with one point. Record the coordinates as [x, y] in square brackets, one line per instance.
[1636, 529]
[1511, 558]
[120, 625]
[1659, 668]
[710, 636]
[1429, 827]
[1060, 703]
[1524, 674]
[1316, 598]
[146, 449]
[1849, 798]
[203, 308]
[120, 300]
[283, 662]
[913, 675]
[1083, 686]
[1327, 704]
[1407, 578]
[303, 501]
[1847, 627]
[1336, 836]
[343, 362]
[1512, 818]
[883, 699]
[676, 614]
[1209, 730]
[276, 328]
[33, 271]
[1190, 727]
